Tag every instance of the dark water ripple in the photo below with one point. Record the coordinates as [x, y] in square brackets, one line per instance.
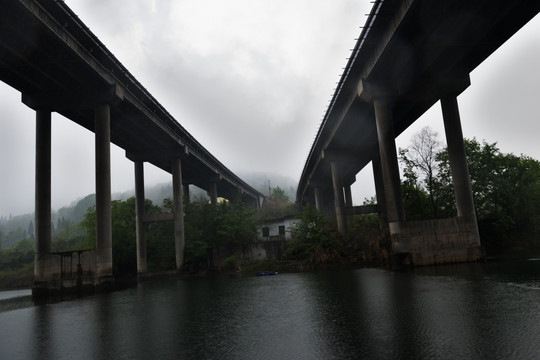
[474, 311]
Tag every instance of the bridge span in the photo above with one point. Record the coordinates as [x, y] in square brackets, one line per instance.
[409, 55]
[50, 56]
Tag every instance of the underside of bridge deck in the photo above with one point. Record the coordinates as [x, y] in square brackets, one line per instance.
[409, 55]
[59, 65]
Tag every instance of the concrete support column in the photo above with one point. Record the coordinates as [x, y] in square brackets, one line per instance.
[318, 198]
[458, 158]
[103, 193]
[379, 191]
[348, 196]
[348, 205]
[213, 193]
[389, 160]
[186, 194]
[339, 202]
[256, 202]
[139, 215]
[179, 240]
[42, 221]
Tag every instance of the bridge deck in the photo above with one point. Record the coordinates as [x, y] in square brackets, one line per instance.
[414, 51]
[53, 59]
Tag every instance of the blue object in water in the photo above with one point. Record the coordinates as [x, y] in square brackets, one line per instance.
[266, 273]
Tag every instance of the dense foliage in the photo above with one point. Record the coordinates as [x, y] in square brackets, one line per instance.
[506, 191]
[277, 205]
[206, 226]
[16, 264]
[314, 239]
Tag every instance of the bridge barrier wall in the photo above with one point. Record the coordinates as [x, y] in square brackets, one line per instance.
[245, 253]
[440, 241]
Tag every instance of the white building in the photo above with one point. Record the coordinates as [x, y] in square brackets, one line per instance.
[277, 229]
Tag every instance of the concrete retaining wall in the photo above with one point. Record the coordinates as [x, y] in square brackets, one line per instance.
[68, 271]
[440, 241]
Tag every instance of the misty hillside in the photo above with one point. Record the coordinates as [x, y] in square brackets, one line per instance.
[263, 181]
[18, 227]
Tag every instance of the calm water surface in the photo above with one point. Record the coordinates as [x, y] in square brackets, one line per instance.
[478, 311]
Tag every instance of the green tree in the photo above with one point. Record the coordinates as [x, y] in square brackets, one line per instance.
[199, 228]
[506, 192]
[123, 234]
[205, 225]
[278, 194]
[160, 242]
[420, 186]
[20, 254]
[30, 230]
[314, 239]
[277, 205]
[235, 224]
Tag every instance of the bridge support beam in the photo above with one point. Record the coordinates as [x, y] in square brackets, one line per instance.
[339, 202]
[457, 157]
[104, 273]
[379, 191]
[42, 221]
[458, 162]
[389, 160]
[213, 193]
[187, 199]
[139, 216]
[318, 198]
[348, 205]
[179, 240]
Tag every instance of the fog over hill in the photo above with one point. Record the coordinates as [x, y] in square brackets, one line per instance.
[263, 181]
[17, 226]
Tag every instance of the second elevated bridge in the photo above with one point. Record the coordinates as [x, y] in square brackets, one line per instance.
[410, 55]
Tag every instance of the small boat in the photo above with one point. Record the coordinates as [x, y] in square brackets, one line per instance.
[266, 273]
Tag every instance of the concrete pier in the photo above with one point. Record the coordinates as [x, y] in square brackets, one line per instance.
[42, 221]
[379, 192]
[104, 271]
[318, 198]
[457, 157]
[339, 201]
[213, 193]
[179, 240]
[389, 160]
[139, 218]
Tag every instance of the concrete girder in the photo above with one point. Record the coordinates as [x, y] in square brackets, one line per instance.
[111, 95]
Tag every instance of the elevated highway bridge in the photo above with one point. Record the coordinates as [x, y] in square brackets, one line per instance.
[50, 56]
[410, 55]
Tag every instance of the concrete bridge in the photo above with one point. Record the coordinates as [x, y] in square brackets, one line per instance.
[58, 65]
[410, 55]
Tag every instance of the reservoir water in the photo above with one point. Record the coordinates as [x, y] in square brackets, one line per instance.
[468, 311]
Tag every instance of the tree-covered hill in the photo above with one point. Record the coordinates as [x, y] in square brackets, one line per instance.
[64, 221]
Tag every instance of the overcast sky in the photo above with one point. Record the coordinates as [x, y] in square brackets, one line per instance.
[250, 80]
